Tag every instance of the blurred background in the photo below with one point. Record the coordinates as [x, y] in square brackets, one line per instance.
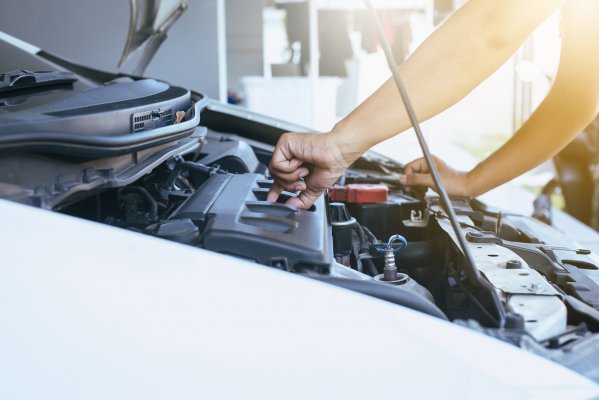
[321, 58]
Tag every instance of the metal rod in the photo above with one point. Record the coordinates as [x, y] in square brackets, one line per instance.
[474, 274]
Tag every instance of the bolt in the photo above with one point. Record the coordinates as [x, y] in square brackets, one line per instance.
[513, 264]
[535, 288]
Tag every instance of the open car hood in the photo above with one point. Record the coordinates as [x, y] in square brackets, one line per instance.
[149, 22]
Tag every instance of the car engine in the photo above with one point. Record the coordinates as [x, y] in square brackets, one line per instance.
[214, 197]
[179, 167]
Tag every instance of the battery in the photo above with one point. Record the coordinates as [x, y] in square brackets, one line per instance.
[359, 193]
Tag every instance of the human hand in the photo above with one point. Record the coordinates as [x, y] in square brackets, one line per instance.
[417, 174]
[317, 158]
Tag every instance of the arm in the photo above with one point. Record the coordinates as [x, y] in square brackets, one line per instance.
[568, 108]
[460, 54]
[471, 45]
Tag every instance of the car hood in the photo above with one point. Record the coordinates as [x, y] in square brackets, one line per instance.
[148, 24]
[154, 319]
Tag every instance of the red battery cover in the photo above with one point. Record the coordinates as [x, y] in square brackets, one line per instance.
[359, 193]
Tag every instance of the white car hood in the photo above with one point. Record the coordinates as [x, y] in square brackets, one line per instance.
[94, 312]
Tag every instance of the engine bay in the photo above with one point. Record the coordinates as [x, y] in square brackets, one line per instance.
[213, 196]
[205, 186]
[162, 161]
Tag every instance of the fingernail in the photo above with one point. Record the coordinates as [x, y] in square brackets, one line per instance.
[403, 179]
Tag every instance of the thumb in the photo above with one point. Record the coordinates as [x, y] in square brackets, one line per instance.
[417, 180]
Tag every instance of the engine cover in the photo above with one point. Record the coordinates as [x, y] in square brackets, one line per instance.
[236, 219]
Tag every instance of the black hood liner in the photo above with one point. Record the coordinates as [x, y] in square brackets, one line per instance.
[102, 121]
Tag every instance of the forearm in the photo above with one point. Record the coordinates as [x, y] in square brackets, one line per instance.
[463, 52]
[539, 139]
[568, 108]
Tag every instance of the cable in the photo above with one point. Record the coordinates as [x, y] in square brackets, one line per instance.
[403, 243]
[191, 166]
[361, 235]
[365, 258]
[474, 274]
[371, 266]
[370, 235]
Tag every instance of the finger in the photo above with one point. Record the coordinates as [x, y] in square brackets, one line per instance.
[274, 192]
[299, 186]
[284, 157]
[282, 164]
[305, 199]
[418, 180]
[291, 177]
[295, 186]
[417, 166]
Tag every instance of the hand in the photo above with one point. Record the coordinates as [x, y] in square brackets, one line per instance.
[417, 174]
[317, 158]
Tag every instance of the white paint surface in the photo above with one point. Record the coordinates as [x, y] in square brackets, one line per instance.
[89, 311]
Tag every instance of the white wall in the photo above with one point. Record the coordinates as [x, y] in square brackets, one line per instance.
[244, 40]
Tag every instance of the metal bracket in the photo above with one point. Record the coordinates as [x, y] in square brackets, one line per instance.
[418, 219]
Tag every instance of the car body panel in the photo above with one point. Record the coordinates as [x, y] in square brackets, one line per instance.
[91, 311]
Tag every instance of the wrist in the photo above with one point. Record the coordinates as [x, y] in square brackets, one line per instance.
[472, 184]
[348, 147]
[356, 138]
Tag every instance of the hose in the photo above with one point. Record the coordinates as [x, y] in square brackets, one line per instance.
[190, 166]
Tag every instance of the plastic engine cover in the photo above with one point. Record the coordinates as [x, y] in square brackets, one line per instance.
[236, 219]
